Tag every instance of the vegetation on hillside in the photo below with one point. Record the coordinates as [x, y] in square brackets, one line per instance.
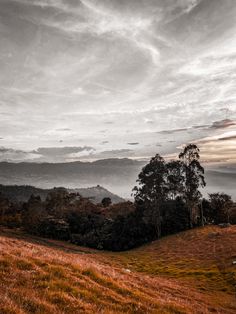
[22, 193]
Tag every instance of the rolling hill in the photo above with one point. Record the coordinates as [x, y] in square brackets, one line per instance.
[191, 272]
[22, 193]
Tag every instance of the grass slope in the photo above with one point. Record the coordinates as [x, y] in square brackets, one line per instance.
[191, 272]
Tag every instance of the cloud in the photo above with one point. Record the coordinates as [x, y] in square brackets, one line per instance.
[61, 151]
[64, 129]
[172, 131]
[16, 155]
[222, 124]
[115, 153]
[79, 91]
[227, 138]
[85, 72]
[4, 150]
[103, 131]
[203, 126]
[220, 147]
[148, 121]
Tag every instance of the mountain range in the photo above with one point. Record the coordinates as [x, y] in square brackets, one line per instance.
[116, 175]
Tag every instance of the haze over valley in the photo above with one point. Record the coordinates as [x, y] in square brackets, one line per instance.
[117, 175]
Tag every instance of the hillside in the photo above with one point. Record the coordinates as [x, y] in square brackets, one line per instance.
[191, 272]
[22, 193]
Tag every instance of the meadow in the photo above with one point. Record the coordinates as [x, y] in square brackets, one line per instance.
[190, 272]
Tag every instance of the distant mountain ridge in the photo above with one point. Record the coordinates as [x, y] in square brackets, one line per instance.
[22, 193]
[118, 175]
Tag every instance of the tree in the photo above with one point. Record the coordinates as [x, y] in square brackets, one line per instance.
[175, 179]
[193, 174]
[208, 212]
[9, 212]
[4, 207]
[33, 213]
[152, 190]
[174, 216]
[106, 201]
[221, 205]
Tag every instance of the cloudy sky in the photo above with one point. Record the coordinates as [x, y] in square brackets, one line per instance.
[92, 79]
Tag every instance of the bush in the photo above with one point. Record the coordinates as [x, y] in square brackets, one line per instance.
[54, 228]
[122, 233]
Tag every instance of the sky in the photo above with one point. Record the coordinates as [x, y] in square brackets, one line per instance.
[95, 79]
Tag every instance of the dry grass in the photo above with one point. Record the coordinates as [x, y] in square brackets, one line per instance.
[191, 272]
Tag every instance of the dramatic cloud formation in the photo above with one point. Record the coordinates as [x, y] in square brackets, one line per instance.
[93, 75]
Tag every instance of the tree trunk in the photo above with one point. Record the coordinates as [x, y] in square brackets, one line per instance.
[201, 215]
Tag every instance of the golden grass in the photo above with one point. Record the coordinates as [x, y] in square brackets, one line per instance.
[203, 256]
[191, 272]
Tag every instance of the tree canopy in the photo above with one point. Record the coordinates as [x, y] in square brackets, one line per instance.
[161, 181]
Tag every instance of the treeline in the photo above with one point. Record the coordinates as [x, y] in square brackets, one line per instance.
[167, 200]
[68, 216]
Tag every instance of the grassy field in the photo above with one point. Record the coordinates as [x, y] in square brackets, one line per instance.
[191, 272]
